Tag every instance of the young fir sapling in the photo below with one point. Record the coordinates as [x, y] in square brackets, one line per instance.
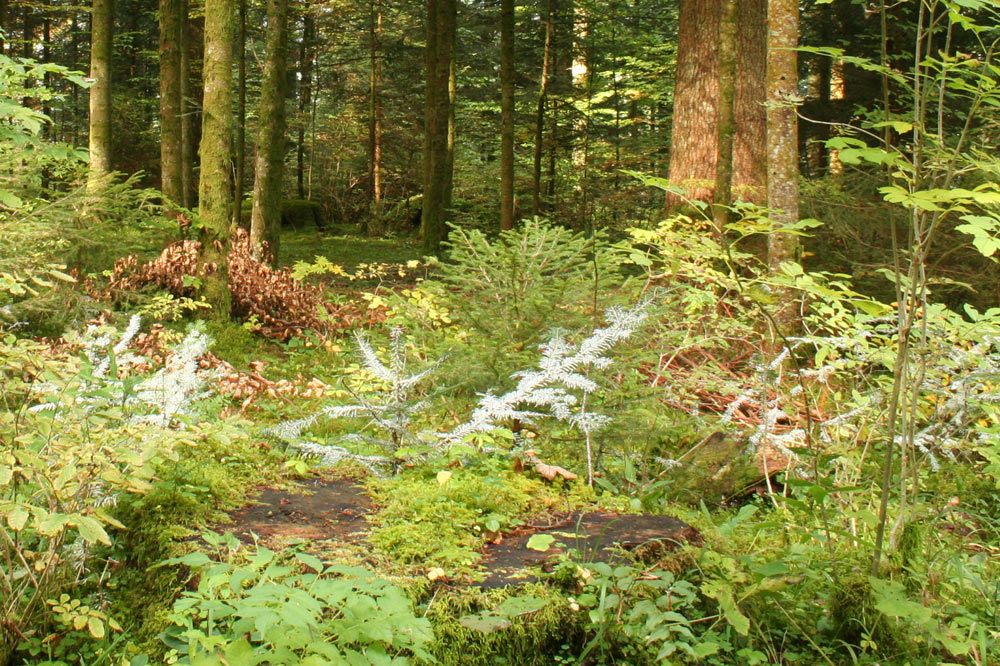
[551, 390]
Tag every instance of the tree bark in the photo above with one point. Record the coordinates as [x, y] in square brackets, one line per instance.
[694, 149]
[722, 196]
[215, 197]
[441, 18]
[189, 134]
[506, 114]
[171, 45]
[101, 34]
[306, 56]
[543, 92]
[265, 224]
[749, 111]
[783, 146]
[696, 91]
[241, 115]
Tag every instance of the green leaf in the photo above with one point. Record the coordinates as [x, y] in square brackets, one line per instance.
[96, 627]
[723, 593]
[92, 531]
[17, 518]
[540, 542]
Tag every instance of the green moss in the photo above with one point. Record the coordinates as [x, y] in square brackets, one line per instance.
[534, 638]
[233, 343]
[424, 521]
[212, 475]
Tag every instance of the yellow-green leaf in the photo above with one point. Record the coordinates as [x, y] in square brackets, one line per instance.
[95, 627]
[16, 518]
[92, 531]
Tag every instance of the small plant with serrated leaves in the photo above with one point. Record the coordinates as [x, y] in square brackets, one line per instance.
[391, 411]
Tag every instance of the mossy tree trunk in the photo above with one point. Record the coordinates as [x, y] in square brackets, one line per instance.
[265, 221]
[215, 196]
[241, 113]
[171, 140]
[783, 146]
[441, 19]
[189, 126]
[101, 35]
[506, 114]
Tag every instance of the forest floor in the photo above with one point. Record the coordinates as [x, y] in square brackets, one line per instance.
[330, 513]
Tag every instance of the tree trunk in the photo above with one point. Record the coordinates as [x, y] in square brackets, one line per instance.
[265, 224]
[3, 21]
[783, 146]
[171, 45]
[696, 92]
[506, 114]
[749, 112]
[306, 56]
[543, 91]
[449, 155]
[441, 20]
[101, 29]
[189, 133]
[215, 196]
[241, 115]
[722, 195]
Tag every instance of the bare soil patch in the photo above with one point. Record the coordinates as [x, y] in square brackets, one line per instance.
[331, 511]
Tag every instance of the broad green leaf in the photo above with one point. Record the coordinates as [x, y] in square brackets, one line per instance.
[91, 530]
[540, 542]
[96, 627]
[17, 517]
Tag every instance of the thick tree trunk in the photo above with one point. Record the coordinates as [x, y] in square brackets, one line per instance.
[441, 18]
[694, 149]
[749, 111]
[101, 29]
[171, 139]
[215, 197]
[306, 55]
[506, 114]
[265, 224]
[722, 196]
[783, 145]
[241, 115]
[543, 93]
[696, 93]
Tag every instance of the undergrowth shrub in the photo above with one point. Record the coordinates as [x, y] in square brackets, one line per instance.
[76, 435]
[254, 606]
[493, 301]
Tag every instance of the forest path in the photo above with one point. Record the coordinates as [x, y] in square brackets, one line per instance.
[330, 513]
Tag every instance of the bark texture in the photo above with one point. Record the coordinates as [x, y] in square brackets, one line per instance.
[543, 94]
[783, 145]
[171, 140]
[265, 223]
[722, 196]
[101, 35]
[441, 19]
[694, 146]
[306, 56]
[215, 198]
[506, 114]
